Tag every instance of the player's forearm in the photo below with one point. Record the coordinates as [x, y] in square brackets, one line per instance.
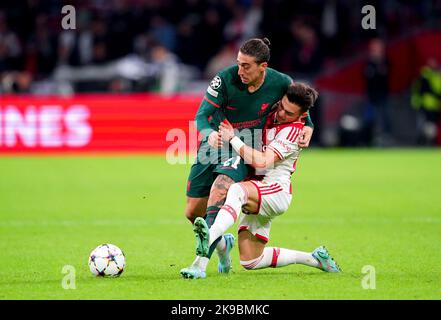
[253, 157]
[201, 119]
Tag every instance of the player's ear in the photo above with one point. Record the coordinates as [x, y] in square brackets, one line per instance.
[264, 65]
[303, 115]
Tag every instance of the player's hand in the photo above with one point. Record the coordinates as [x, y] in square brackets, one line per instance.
[226, 131]
[215, 140]
[305, 137]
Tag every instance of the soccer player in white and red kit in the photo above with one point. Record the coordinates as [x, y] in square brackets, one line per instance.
[263, 200]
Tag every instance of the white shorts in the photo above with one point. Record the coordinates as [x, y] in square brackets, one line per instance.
[273, 201]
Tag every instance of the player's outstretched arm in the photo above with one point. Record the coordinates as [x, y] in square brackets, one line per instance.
[257, 159]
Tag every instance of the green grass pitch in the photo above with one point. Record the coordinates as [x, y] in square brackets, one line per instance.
[369, 207]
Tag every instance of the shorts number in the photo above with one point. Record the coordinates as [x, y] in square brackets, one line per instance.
[232, 162]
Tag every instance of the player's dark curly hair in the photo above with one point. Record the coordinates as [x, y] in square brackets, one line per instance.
[302, 95]
[257, 48]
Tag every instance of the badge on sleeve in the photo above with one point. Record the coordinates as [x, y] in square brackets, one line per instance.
[214, 85]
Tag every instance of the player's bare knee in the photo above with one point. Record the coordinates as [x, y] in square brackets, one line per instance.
[250, 258]
[250, 249]
[245, 256]
[244, 251]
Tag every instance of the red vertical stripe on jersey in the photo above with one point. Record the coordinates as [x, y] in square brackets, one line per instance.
[296, 136]
[290, 133]
[292, 137]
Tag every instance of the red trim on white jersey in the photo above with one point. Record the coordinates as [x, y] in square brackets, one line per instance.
[271, 191]
[259, 200]
[261, 237]
[272, 188]
[241, 228]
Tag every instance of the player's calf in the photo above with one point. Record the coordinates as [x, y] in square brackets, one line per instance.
[219, 190]
[195, 207]
[218, 194]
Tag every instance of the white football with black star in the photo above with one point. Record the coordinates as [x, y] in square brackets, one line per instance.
[107, 260]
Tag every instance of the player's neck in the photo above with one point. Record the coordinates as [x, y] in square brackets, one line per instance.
[257, 84]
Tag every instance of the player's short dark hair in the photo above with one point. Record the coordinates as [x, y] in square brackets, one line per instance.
[302, 95]
[257, 48]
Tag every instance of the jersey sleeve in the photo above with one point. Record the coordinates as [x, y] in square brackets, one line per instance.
[308, 121]
[211, 105]
[285, 143]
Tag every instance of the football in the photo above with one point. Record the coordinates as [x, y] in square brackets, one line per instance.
[107, 260]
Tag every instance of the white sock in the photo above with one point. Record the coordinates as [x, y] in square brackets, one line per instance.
[229, 212]
[280, 257]
[201, 262]
[196, 261]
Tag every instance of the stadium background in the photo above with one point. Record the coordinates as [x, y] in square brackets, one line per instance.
[173, 48]
[133, 70]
